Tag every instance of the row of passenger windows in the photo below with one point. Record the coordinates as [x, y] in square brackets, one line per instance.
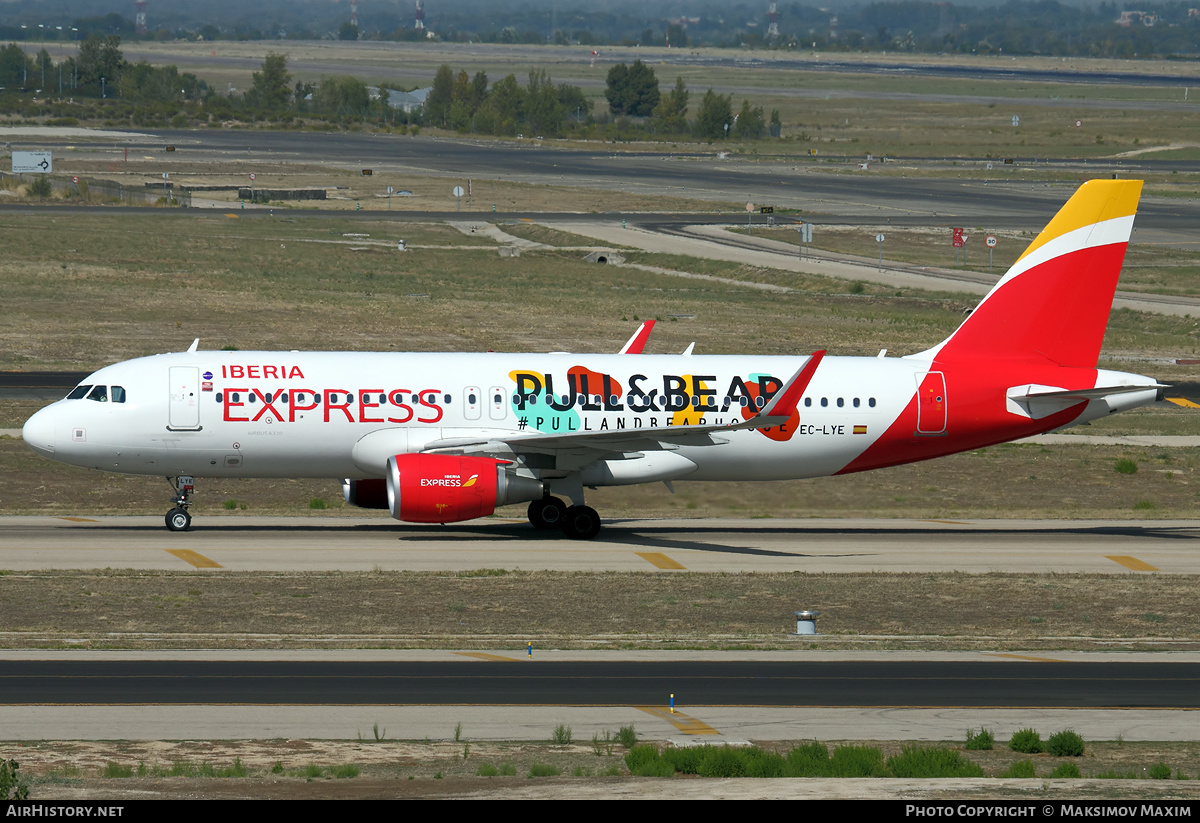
[841, 402]
[101, 394]
[697, 402]
[531, 400]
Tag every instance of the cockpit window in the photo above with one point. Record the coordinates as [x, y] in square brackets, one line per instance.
[118, 394]
[99, 394]
[79, 392]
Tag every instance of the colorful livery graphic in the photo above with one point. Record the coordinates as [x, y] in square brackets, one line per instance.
[438, 438]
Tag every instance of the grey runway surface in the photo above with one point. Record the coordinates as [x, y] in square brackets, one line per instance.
[1003, 684]
[708, 545]
[821, 695]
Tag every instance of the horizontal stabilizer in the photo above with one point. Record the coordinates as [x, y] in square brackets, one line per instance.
[1036, 402]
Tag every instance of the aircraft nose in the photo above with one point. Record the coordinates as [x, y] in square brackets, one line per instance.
[38, 432]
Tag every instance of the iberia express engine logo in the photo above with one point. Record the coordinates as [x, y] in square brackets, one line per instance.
[450, 481]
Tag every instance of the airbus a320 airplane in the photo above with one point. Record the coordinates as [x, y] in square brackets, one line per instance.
[439, 438]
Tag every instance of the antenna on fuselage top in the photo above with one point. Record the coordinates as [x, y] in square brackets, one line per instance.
[195, 345]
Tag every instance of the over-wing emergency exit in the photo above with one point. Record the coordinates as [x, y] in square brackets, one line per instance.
[439, 438]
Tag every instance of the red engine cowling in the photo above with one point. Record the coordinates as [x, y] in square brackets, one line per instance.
[366, 494]
[444, 488]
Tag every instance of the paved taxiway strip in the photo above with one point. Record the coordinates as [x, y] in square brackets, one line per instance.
[704, 545]
[690, 723]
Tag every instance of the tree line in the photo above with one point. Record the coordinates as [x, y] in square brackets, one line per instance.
[162, 95]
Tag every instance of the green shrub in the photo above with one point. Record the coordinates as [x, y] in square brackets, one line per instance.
[41, 187]
[316, 503]
[857, 761]
[487, 770]
[640, 755]
[544, 770]
[1160, 771]
[686, 760]
[346, 770]
[1065, 744]
[508, 770]
[627, 736]
[722, 761]
[1026, 741]
[1066, 770]
[807, 760]
[1022, 768]
[980, 741]
[931, 761]
[562, 735]
[11, 785]
[1125, 466]
[761, 763]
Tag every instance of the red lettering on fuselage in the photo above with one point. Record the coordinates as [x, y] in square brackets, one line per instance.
[331, 396]
[365, 402]
[229, 403]
[267, 404]
[297, 403]
[423, 397]
[264, 371]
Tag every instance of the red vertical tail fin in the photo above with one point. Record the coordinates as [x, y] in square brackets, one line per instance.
[1053, 304]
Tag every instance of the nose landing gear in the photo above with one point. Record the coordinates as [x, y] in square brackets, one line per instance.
[178, 519]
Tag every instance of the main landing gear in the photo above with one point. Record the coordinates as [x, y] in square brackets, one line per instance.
[576, 522]
[178, 519]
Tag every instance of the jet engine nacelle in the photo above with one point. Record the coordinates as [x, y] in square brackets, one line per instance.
[366, 494]
[444, 488]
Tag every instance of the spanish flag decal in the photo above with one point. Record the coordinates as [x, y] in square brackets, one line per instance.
[860, 429]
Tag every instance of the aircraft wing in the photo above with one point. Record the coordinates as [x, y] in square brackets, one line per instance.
[776, 412]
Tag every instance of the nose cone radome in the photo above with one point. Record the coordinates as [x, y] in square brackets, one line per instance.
[39, 430]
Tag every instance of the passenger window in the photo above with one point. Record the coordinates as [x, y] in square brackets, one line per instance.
[856, 402]
[871, 402]
[79, 392]
[808, 401]
[446, 399]
[824, 402]
[99, 394]
[841, 402]
[118, 394]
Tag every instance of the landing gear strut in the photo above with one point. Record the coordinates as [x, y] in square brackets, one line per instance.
[178, 519]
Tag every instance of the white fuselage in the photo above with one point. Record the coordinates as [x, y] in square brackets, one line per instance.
[341, 415]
